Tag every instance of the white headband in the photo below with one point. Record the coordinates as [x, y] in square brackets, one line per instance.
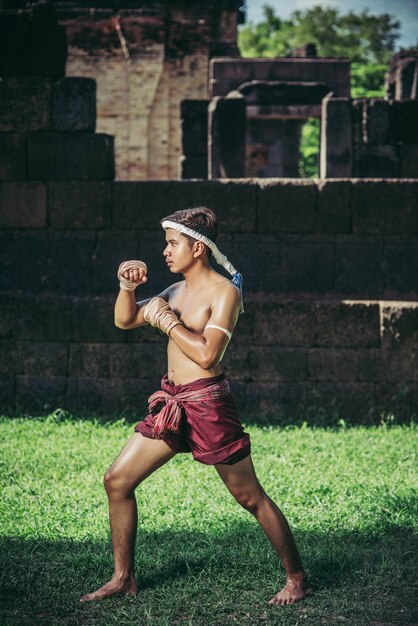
[219, 257]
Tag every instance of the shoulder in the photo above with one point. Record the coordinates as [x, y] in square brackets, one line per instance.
[171, 290]
[226, 291]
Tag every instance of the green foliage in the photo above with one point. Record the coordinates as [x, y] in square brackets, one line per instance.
[309, 143]
[349, 495]
[362, 37]
[368, 40]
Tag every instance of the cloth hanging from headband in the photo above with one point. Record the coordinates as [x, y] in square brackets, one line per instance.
[220, 258]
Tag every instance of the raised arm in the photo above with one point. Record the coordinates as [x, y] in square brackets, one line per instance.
[128, 312]
[207, 349]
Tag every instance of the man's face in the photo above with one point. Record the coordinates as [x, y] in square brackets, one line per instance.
[178, 252]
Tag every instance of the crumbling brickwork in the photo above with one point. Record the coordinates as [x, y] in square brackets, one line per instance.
[146, 59]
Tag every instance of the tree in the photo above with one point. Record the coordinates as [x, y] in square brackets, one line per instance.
[368, 40]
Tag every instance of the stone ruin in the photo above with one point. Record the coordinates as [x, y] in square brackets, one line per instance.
[251, 123]
[331, 266]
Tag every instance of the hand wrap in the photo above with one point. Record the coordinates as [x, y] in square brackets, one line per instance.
[159, 314]
[124, 283]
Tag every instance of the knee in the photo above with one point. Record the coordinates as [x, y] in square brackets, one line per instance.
[251, 502]
[114, 483]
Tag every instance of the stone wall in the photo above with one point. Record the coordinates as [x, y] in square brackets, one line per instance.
[369, 137]
[331, 275]
[147, 59]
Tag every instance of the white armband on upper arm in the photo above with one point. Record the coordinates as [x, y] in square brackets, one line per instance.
[224, 330]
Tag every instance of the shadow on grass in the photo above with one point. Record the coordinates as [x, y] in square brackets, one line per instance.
[215, 577]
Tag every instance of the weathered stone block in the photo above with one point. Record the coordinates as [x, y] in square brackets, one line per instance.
[22, 205]
[109, 396]
[401, 266]
[93, 320]
[408, 157]
[386, 365]
[141, 361]
[7, 393]
[284, 324]
[47, 357]
[377, 121]
[69, 268]
[79, 204]
[25, 104]
[287, 207]
[43, 318]
[143, 204]
[10, 357]
[385, 207]
[353, 402]
[70, 156]
[33, 249]
[194, 166]
[334, 206]
[264, 275]
[373, 161]
[400, 326]
[9, 262]
[336, 138]
[278, 364]
[12, 156]
[403, 119]
[194, 128]
[333, 364]
[38, 394]
[358, 267]
[397, 400]
[226, 131]
[307, 265]
[236, 362]
[88, 360]
[346, 325]
[74, 105]
[108, 255]
[258, 401]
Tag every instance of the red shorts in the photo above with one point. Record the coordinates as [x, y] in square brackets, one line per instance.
[210, 429]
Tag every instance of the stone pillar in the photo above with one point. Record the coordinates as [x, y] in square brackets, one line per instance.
[227, 121]
[336, 138]
[194, 138]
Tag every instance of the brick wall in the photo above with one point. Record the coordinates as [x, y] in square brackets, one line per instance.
[331, 275]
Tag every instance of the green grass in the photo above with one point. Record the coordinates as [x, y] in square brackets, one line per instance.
[349, 495]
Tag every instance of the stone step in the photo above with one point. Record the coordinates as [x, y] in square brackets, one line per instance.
[354, 360]
[40, 104]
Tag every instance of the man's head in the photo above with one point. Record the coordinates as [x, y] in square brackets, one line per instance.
[200, 219]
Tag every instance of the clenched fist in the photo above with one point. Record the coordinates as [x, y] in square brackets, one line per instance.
[159, 314]
[131, 274]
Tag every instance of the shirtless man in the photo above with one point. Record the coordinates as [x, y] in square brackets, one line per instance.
[199, 314]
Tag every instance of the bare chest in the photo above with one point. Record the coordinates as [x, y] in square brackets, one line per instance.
[193, 309]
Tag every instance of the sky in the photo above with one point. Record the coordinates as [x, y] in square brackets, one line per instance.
[406, 11]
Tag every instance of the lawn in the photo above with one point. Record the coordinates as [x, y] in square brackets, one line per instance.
[349, 495]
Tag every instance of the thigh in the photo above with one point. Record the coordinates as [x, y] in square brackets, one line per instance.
[240, 477]
[140, 457]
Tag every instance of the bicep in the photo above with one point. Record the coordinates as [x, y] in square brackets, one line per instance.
[224, 315]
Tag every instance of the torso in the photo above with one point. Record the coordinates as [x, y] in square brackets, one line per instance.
[194, 310]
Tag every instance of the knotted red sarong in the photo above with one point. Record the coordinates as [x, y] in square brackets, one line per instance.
[169, 417]
[205, 417]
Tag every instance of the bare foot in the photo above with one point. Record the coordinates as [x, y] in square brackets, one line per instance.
[127, 586]
[294, 590]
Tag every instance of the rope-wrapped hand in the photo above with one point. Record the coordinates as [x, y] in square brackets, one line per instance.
[159, 314]
[131, 267]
